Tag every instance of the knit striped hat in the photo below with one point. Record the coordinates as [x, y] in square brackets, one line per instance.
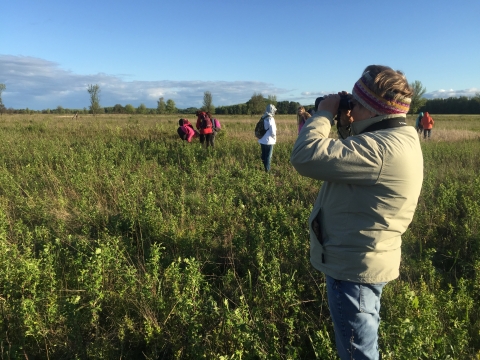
[385, 105]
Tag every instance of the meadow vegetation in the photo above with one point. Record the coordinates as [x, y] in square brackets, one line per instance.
[117, 240]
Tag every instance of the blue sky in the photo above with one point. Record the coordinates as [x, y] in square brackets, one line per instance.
[138, 51]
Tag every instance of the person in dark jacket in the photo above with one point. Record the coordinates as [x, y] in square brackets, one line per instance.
[418, 122]
[216, 127]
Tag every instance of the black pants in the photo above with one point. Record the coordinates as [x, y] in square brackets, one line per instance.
[209, 137]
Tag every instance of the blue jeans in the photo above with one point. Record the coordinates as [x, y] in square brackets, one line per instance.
[427, 132]
[267, 151]
[355, 311]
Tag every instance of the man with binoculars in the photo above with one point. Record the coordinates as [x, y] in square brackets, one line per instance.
[372, 177]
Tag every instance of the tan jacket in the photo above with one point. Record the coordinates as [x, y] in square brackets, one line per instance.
[372, 182]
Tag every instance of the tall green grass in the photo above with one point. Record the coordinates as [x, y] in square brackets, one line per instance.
[117, 240]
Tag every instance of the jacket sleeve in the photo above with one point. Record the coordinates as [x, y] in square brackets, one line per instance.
[273, 127]
[355, 160]
[190, 134]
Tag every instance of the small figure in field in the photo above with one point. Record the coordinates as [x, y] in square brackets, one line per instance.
[427, 124]
[418, 122]
[204, 126]
[216, 127]
[186, 131]
[75, 116]
[270, 137]
[302, 116]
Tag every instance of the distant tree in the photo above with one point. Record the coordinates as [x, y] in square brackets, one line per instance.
[94, 91]
[287, 107]
[292, 107]
[242, 109]
[141, 109]
[2, 107]
[417, 99]
[460, 105]
[256, 104]
[118, 109]
[207, 102]
[129, 109]
[190, 110]
[282, 107]
[475, 104]
[170, 107]
[272, 99]
[60, 109]
[224, 110]
[161, 107]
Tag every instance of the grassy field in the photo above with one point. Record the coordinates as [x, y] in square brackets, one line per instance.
[117, 240]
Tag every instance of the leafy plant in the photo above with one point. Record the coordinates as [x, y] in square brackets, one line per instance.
[117, 240]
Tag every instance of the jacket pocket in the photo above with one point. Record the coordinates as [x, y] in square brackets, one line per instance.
[317, 230]
[317, 227]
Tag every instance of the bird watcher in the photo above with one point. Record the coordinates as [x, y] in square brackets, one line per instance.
[372, 176]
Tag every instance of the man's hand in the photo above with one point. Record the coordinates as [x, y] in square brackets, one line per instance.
[330, 103]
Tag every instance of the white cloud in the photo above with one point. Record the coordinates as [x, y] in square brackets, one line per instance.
[40, 84]
[445, 94]
[314, 94]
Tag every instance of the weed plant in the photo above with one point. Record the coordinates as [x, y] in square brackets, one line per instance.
[117, 240]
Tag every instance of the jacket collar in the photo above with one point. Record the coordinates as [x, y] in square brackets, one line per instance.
[359, 126]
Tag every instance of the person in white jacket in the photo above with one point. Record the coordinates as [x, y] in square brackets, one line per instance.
[270, 138]
[371, 184]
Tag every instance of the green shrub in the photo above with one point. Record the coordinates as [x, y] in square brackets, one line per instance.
[117, 240]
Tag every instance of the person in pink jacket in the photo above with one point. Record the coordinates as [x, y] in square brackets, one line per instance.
[302, 116]
[427, 124]
[186, 130]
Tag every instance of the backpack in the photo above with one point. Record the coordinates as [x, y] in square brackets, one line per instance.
[205, 122]
[260, 128]
[216, 125]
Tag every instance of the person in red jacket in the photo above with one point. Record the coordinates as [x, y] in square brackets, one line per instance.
[427, 124]
[204, 126]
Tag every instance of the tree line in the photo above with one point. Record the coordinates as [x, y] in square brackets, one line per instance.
[257, 104]
[457, 105]
[254, 106]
